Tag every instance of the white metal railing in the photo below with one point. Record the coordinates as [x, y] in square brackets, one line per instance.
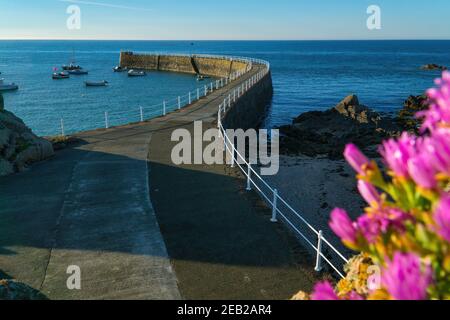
[267, 192]
[254, 180]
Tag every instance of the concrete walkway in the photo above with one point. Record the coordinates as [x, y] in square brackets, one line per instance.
[90, 207]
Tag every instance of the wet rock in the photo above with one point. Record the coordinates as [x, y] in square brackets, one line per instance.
[19, 146]
[327, 132]
[433, 66]
[406, 116]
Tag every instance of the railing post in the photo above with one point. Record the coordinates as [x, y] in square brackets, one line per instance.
[318, 267]
[198, 93]
[212, 87]
[249, 177]
[179, 102]
[219, 119]
[206, 90]
[62, 128]
[190, 98]
[232, 154]
[106, 120]
[229, 100]
[164, 107]
[142, 114]
[274, 206]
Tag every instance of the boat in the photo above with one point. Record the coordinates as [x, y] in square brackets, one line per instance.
[136, 73]
[103, 83]
[7, 86]
[201, 77]
[60, 75]
[72, 66]
[78, 72]
[119, 69]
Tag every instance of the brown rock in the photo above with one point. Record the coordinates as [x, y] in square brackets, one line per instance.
[19, 146]
[327, 132]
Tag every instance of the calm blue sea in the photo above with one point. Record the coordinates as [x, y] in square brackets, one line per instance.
[308, 75]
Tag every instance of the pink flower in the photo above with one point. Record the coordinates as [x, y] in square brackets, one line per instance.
[324, 291]
[439, 110]
[372, 227]
[342, 225]
[356, 158]
[353, 296]
[397, 153]
[379, 223]
[442, 217]
[437, 149]
[422, 171]
[405, 278]
[369, 193]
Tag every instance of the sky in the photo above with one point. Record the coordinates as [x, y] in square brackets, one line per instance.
[224, 20]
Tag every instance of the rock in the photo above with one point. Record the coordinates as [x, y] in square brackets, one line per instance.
[406, 116]
[327, 132]
[19, 147]
[13, 290]
[433, 66]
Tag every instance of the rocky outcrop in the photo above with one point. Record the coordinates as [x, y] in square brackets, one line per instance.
[19, 146]
[407, 115]
[327, 132]
[433, 66]
[13, 290]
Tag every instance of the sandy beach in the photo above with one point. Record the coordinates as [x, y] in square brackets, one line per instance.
[314, 186]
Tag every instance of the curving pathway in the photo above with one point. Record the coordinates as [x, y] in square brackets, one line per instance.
[90, 207]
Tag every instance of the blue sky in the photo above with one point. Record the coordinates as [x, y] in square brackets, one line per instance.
[224, 20]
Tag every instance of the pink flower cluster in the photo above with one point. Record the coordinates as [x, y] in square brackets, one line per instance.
[439, 112]
[415, 201]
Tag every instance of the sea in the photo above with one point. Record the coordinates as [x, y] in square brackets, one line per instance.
[307, 75]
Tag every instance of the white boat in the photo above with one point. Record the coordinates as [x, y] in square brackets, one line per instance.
[136, 73]
[7, 86]
[119, 69]
[60, 75]
[78, 72]
[103, 83]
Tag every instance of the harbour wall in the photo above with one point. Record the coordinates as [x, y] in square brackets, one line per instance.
[250, 109]
[205, 65]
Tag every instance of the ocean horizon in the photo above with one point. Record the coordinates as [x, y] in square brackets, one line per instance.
[307, 75]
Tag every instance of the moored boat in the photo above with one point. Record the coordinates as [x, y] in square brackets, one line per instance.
[102, 83]
[119, 69]
[78, 72]
[60, 75]
[7, 86]
[71, 67]
[201, 77]
[136, 73]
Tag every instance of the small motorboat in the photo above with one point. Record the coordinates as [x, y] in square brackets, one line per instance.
[60, 75]
[78, 72]
[201, 77]
[136, 73]
[7, 86]
[103, 83]
[71, 67]
[119, 69]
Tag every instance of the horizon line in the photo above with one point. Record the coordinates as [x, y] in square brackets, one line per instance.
[223, 40]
